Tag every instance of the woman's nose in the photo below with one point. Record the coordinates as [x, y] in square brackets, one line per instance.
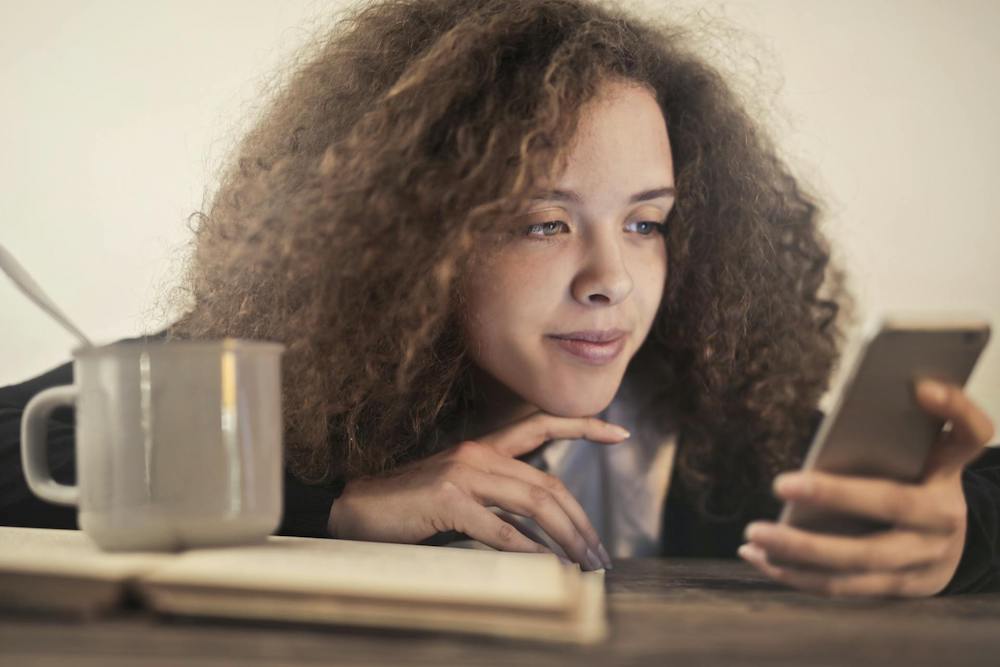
[603, 276]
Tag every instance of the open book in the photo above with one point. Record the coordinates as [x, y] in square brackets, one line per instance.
[312, 580]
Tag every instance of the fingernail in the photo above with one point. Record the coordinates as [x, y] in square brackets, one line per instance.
[750, 552]
[605, 557]
[755, 531]
[619, 431]
[593, 562]
[933, 391]
[789, 483]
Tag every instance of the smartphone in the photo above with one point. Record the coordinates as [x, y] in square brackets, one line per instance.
[876, 428]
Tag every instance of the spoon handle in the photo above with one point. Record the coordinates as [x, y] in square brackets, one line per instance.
[31, 289]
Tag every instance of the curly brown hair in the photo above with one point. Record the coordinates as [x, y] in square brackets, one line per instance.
[409, 133]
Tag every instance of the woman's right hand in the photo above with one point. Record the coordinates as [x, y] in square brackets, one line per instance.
[451, 490]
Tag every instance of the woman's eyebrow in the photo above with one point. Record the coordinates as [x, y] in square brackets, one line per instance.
[570, 195]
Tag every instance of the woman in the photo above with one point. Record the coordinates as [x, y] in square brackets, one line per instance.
[445, 197]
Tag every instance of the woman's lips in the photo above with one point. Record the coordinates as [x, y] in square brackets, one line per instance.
[592, 353]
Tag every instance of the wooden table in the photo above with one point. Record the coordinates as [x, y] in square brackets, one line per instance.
[669, 612]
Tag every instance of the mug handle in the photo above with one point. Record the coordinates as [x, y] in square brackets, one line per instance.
[34, 460]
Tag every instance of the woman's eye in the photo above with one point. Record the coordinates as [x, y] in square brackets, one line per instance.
[645, 228]
[651, 227]
[543, 226]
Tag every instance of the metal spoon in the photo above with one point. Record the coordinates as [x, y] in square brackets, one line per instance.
[31, 289]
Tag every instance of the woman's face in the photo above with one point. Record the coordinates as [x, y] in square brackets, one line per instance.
[590, 255]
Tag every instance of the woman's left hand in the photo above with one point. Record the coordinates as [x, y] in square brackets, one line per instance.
[918, 555]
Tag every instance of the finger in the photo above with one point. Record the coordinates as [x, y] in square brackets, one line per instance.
[949, 401]
[526, 435]
[480, 524]
[521, 470]
[528, 527]
[886, 550]
[909, 583]
[475, 454]
[971, 427]
[534, 502]
[898, 503]
[948, 457]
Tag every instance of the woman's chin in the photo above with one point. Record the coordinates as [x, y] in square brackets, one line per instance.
[576, 406]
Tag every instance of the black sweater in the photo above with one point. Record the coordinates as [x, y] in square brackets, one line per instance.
[306, 508]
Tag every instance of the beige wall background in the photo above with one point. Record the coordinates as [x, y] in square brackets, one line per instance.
[116, 115]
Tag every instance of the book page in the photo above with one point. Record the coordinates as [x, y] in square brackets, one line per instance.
[376, 570]
[69, 553]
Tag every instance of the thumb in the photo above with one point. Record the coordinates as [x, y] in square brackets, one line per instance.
[970, 428]
[948, 457]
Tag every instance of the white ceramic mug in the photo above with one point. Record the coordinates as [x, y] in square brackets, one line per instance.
[178, 444]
